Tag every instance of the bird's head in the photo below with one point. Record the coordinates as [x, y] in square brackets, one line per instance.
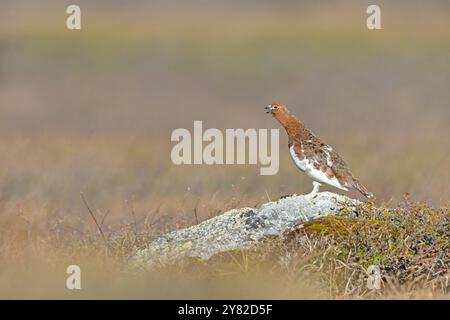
[276, 109]
[281, 113]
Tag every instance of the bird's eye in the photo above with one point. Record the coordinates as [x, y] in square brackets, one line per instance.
[275, 107]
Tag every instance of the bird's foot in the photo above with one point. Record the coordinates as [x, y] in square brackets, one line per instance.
[315, 191]
[311, 196]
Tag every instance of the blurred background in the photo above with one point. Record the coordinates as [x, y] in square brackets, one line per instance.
[92, 110]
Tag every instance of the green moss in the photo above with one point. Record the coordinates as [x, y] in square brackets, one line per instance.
[343, 226]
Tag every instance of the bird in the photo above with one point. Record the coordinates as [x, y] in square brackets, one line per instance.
[312, 156]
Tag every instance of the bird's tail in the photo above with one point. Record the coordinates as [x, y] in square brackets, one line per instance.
[358, 186]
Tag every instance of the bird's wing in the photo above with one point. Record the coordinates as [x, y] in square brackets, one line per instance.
[327, 160]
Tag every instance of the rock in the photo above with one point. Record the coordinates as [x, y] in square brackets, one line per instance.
[240, 228]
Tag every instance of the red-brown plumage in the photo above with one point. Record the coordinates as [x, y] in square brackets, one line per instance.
[317, 159]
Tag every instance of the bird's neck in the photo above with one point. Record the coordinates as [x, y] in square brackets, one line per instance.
[294, 128]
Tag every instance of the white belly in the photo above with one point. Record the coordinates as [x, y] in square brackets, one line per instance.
[307, 167]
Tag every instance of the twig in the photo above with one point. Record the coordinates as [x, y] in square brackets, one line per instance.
[195, 212]
[104, 217]
[267, 195]
[93, 217]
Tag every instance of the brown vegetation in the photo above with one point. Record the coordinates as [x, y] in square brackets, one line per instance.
[92, 112]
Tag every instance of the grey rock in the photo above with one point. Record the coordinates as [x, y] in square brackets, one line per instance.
[240, 228]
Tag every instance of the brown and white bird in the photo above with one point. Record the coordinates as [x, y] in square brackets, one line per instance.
[315, 158]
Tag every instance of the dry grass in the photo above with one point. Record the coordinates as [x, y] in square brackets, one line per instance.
[92, 112]
[327, 258]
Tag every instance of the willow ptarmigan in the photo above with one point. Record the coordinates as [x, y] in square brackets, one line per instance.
[317, 159]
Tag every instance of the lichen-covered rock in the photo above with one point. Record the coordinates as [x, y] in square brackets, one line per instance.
[240, 228]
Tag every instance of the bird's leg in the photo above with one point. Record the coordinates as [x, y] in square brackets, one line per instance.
[313, 193]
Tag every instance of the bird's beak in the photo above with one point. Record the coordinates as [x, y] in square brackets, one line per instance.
[268, 108]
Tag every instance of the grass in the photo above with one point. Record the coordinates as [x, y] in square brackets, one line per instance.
[92, 112]
[46, 226]
[326, 259]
